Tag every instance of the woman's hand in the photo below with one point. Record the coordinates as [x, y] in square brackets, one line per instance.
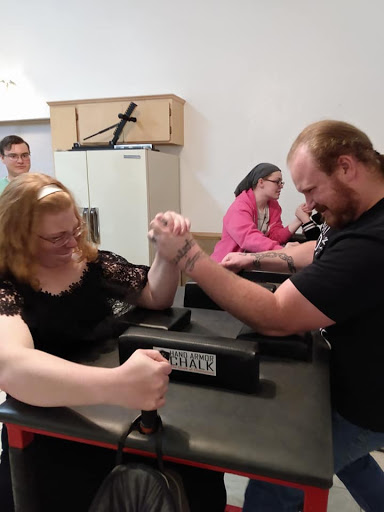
[143, 380]
[174, 222]
[236, 261]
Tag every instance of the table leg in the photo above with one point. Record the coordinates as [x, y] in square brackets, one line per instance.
[315, 500]
[17, 437]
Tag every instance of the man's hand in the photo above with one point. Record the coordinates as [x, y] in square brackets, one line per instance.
[303, 213]
[306, 208]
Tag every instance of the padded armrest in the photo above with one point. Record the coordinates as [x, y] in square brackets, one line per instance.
[298, 237]
[209, 360]
[170, 319]
[295, 346]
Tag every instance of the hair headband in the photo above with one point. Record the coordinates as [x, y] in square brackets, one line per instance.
[47, 190]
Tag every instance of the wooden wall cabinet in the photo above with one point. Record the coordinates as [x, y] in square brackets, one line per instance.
[160, 120]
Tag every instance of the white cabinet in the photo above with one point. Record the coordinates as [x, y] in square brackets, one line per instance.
[121, 191]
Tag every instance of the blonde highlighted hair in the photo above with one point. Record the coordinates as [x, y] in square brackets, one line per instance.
[20, 213]
[327, 140]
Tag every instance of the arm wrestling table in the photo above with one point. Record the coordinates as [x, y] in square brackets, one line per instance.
[282, 434]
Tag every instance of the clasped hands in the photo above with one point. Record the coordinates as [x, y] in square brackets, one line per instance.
[169, 232]
[303, 213]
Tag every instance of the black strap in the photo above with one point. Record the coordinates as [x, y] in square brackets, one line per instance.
[135, 426]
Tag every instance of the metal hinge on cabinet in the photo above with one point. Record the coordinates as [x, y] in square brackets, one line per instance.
[170, 110]
[170, 130]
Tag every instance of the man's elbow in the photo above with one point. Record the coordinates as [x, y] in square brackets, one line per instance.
[275, 330]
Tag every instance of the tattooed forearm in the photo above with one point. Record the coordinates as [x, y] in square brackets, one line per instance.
[184, 250]
[290, 262]
[258, 257]
[288, 259]
[190, 264]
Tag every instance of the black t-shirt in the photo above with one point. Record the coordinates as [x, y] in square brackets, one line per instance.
[346, 282]
[76, 321]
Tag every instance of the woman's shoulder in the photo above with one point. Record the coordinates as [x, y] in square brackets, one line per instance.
[121, 276]
[11, 300]
[7, 283]
[245, 200]
[247, 196]
[113, 264]
[110, 258]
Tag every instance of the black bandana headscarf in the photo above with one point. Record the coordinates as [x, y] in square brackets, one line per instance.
[251, 179]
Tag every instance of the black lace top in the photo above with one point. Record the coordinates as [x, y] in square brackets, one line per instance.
[71, 323]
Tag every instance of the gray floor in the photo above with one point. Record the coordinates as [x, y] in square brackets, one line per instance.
[339, 498]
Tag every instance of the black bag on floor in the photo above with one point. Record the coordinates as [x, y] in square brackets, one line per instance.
[140, 487]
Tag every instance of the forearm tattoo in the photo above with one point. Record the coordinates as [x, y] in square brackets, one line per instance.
[190, 264]
[184, 250]
[288, 259]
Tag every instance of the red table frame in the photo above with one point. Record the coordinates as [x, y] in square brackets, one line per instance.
[315, 499]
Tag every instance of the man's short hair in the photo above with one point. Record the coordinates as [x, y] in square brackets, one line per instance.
[327, 140]
[9, 141]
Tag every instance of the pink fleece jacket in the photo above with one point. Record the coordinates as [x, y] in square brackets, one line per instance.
[240, 233]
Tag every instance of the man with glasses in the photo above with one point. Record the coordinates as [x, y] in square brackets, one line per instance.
[15, 155]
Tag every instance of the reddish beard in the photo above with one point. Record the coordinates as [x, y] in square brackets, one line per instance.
[343, 208]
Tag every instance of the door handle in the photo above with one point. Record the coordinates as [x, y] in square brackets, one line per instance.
[84, 213]
[94, 225]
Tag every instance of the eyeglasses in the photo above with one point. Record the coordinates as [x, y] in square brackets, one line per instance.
[14, 156]
[60, 241]
[279, 183]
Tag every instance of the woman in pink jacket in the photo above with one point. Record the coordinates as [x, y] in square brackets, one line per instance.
[253, 221]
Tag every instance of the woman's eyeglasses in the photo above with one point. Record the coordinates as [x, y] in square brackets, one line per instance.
[279, 183]
[60, 241]
[14, 156]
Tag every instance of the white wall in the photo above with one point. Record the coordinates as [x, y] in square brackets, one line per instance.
[253, 73]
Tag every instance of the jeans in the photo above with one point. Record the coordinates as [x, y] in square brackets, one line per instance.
[358, 471]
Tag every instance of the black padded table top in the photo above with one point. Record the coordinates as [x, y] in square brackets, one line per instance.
[283, 431]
